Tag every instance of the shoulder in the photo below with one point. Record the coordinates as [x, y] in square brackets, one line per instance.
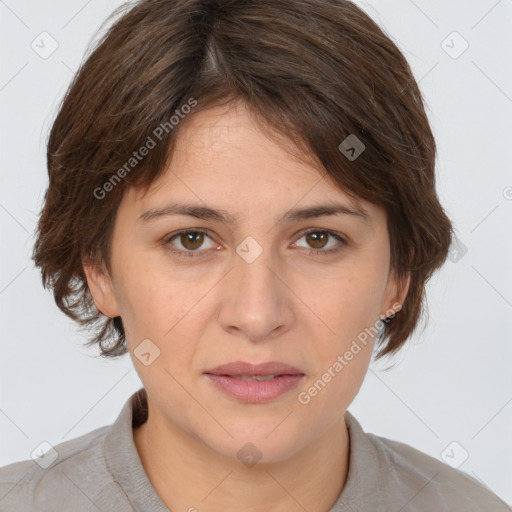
[386, 475]
[426, 483]
[71, 476]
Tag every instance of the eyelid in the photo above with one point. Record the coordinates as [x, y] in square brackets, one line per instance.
[180, 252]
[333, 250]
[335, 234]
[166, 242]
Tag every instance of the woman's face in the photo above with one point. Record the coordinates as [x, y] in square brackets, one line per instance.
[247, 289]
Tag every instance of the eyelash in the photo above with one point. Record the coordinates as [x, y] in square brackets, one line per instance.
[193, 254]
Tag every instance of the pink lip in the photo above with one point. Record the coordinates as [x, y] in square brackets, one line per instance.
[237, 368]
[224, 378]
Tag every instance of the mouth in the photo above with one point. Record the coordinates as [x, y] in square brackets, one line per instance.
[248, 371]
[258, 378]
[251, 383]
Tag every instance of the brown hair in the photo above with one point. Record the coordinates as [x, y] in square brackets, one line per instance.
[315, 71]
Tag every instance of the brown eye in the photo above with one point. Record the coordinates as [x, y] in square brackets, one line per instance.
[317, 239]
[189, 243]
[192, 239]
[322, 242]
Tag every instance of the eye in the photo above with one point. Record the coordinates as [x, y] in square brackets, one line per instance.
[318, 240]
[190, 241]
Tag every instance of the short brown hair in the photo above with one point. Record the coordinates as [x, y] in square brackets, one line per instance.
[315, 71]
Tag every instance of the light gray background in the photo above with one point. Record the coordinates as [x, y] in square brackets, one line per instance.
[453, 382]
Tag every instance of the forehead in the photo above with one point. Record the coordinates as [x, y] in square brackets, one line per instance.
[225, 159]
[228, 142]
[232, 136]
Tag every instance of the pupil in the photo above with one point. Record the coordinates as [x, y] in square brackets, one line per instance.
[188, 240]
[316, 236]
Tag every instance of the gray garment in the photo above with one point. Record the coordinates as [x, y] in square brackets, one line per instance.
[102, 471]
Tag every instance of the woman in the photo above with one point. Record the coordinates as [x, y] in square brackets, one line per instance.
[242, 197]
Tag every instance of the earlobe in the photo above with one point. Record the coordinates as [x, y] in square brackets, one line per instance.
[102, 290]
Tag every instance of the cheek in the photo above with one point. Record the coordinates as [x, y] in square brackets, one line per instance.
[138, 301]
[347, 309]
[350, 300]
[162, 306]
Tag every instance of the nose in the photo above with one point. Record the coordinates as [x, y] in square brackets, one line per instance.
[255, 300]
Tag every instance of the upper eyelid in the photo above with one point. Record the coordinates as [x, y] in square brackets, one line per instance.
[341, 238]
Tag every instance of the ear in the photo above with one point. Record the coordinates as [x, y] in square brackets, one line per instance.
[101, 288]
[396, 292]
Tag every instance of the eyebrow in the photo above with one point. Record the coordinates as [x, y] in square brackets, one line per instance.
[295, 214]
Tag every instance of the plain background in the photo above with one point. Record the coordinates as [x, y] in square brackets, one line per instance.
[451, 383]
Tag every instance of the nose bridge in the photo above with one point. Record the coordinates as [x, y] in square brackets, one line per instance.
[253, 271]
[255, 300]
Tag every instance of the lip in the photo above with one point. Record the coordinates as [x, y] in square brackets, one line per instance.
[224, 377]
[253, 391]
[238, 368]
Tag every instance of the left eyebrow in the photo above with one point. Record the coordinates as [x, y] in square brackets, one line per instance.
[312, 212]
[293, 215]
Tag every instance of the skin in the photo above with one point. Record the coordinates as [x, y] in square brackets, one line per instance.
[287, 305]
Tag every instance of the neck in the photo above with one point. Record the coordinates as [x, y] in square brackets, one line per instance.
[189, 476]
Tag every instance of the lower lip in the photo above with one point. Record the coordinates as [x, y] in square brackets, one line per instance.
[253, 391]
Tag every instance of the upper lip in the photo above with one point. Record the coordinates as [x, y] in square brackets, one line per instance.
[239, 368]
